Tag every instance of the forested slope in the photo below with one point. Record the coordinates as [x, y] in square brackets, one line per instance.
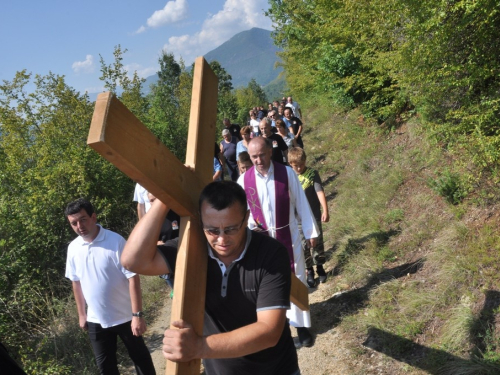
[412, 169]
[394, 59]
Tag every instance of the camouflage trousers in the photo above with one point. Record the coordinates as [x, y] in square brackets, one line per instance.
[316, 255]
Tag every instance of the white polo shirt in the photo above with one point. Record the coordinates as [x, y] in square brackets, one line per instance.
[104, 281]
[141, 196]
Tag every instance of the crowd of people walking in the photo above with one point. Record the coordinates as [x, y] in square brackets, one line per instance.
[262, 218]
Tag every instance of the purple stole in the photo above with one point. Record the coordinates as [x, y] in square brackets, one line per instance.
[282, 201]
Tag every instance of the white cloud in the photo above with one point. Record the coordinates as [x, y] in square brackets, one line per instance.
[174, 11]
[86, 66]
[141, 72]
[236, 16]
[140, 30]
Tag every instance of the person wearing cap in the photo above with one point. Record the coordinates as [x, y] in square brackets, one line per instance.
[228, 150]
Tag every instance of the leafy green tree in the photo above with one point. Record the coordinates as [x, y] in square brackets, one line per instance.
[225, 84]
[341, 49]
[164, 118]
[226, 101]
[128, 90]
[257, 91]
[45, 163]
[184, 93]
[247, 98]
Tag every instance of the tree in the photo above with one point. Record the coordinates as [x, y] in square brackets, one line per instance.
[45, 163]
[128, 90]
[247, 98]
[341, 49]
[164, 118]
[183, 93]
[226, 102]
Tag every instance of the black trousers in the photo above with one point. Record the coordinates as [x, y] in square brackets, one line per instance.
[232, 170]
[104, 342]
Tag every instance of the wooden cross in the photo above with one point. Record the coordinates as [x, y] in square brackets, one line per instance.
[122, 139]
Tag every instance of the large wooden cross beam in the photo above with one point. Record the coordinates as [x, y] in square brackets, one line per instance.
[122, 139]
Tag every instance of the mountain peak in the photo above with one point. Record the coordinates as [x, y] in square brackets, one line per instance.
[248, 54]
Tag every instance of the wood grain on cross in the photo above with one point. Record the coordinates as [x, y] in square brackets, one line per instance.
[122, 139]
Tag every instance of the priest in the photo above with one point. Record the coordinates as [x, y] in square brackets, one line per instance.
[278, 205]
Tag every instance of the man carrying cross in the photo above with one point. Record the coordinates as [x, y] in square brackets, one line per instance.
[247, 292]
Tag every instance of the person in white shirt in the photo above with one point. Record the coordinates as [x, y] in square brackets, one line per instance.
[143, 203]
[297, 112]
[254, 123]
[112, 294]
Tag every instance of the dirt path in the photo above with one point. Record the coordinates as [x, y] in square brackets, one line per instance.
[154, 336]
[326, 357]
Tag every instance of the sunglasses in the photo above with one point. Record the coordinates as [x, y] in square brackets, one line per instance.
[229, 231]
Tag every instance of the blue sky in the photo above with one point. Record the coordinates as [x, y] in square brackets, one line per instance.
[66, 37]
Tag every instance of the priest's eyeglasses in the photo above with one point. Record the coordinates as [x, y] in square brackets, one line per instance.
[228, 231]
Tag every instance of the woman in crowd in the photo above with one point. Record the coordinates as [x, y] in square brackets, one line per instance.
[228, 149]
[285, 133]
[243, 144]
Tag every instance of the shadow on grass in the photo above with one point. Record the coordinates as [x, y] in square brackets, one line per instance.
[329, 313]
[329, 179]
[484, 326]
[319, 159]
[440, 362]
[154, 341]
[354, 246]
[433, 361]
[330, 196]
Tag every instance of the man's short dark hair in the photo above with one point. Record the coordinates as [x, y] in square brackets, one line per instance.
[243, 157]
[223, 194]
[78, 205]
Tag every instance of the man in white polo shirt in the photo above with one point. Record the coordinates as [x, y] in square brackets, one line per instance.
[143, 203]
[112, 294]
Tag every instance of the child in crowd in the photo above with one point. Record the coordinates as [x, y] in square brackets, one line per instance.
[311, 183]
[244, 162]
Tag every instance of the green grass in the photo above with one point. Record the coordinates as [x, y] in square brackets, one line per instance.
[384, 214]
[64, 349]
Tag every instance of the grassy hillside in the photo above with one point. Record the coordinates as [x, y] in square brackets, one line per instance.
[413, 284]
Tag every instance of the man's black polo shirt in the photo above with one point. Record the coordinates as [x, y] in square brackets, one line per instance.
[234, 130]
[259, 280]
